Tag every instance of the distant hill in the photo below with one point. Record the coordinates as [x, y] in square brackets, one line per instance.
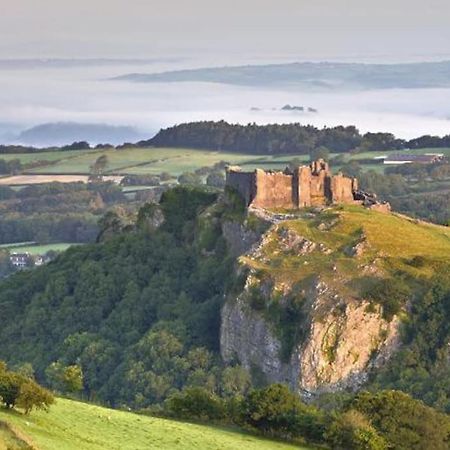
[62, 133]
[72, 426]
[318, 76]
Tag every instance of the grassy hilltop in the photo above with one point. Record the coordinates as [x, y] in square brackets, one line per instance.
[74, 426]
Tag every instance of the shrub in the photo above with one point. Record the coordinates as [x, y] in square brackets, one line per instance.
[390, 293]
[352, 431]
[276, 411]
[23, 392]
[407, 424]
[32, 396]
[195, 403]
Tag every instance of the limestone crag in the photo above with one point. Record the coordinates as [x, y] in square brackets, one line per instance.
[338, 351]
[240, 238]
[343, 337]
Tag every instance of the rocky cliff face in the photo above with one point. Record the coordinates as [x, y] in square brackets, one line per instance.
[338, 351]
[298, 319]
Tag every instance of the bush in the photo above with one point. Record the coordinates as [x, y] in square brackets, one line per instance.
[32, 396]
[23, 392]
[406, 424]
[391, 294]
[275, 411]
[195, 403]
[352, 431]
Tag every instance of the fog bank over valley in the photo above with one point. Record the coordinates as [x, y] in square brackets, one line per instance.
[85, 92]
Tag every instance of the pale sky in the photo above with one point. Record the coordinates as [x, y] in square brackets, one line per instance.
[298, 29]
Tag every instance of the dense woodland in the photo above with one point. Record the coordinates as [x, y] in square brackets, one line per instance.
[283, 139]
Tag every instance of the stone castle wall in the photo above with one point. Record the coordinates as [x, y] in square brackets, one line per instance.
[304, 186]
[242, 182]
[274, 189]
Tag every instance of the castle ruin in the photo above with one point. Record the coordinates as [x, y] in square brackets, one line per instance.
[304, 186]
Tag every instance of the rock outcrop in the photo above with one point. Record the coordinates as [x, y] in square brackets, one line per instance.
[335, 338]
[338, 351]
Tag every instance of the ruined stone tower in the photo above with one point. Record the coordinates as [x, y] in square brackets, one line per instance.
[304, 186]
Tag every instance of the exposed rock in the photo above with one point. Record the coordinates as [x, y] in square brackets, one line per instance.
[343, 342]
[358, 248]
[291, 241]
[371, 201]
[239, 238]
[342, 338]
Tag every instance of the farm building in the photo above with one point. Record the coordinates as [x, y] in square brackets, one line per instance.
[21, 260]
[428, 158]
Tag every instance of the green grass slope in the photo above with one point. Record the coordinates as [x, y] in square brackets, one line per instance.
[78, 426]
[391, 242]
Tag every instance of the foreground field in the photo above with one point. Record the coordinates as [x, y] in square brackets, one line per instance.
[77, 426]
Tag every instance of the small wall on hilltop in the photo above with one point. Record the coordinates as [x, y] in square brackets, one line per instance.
[273, 190]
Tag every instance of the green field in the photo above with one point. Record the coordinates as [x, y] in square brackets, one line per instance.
[37, 249]
[78, 426]
[26, 158]
[175, 160]
[144, 161]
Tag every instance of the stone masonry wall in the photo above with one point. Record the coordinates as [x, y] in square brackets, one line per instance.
[305, 186]
[342, 189]
[243, 182]
[273, 190]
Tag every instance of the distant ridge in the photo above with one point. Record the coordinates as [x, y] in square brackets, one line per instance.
[324, 75]
[62, 133]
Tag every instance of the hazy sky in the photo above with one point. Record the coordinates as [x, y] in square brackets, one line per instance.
[226, 29]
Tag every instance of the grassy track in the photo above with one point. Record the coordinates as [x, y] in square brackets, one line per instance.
[77, 426]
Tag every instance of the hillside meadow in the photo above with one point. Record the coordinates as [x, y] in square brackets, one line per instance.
[175, 161]
[73, 425]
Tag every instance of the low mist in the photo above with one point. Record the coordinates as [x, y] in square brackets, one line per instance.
[86, 95]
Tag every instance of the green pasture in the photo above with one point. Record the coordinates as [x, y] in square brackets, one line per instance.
[37, 249]
[175, 161]
[78, 426]
[26, 158]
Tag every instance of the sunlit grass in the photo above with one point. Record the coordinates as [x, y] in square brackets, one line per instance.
[78, 426]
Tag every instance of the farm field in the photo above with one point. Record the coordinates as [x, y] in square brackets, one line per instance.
[34, 249]
[26, 158]
[25, 180]
[74, 426]
[144, 161]
[75, 165]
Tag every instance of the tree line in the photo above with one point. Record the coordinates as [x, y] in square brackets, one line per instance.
[283, 139]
